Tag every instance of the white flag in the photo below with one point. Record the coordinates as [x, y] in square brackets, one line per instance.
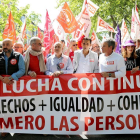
[92, 8]
[103, 26]
[59, 31]
[85, 22]
[94, 38]
[138, 23]
[124, 33]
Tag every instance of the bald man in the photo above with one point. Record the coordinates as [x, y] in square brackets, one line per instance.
[11, 63]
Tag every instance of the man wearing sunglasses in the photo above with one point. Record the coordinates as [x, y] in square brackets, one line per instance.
[58, 63]
[34, 59]
[72, 47]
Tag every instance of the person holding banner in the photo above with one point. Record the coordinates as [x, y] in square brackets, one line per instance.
[111, 64]
[58, 63]
[85, 60]
[132, 61]
[12, 64]
[72, 47]
[34, 59]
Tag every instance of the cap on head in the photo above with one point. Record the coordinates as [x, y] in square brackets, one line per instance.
[129, 43]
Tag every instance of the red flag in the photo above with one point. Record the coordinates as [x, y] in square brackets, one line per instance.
[40, 35]
[9, 31]
[48, 33]
[80, 41]
[67, 20]
[23, 31]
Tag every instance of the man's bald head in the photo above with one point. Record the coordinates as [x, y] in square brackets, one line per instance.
[7, 45]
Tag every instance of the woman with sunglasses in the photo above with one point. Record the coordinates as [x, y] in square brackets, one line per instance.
[132, 61]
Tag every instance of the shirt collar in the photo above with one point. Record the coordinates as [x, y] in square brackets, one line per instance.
[62, 55]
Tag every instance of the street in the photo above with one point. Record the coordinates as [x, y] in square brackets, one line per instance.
[72, 137]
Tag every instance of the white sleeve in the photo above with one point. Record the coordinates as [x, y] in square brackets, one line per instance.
[121, 68]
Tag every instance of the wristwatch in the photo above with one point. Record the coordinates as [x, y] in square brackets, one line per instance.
[10, 78]
[109, 74]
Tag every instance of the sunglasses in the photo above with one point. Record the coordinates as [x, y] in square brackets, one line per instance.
[58, 66]
[75, 45]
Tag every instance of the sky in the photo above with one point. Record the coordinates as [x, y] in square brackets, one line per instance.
[40, 6]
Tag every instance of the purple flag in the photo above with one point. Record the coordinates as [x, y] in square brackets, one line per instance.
[118, 40]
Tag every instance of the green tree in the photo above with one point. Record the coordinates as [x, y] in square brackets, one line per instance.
[112, 11]
[6, 6]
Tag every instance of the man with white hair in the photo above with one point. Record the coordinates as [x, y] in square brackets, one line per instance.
[72, 47]
[58, 63]
[34, 59]
[19, 47]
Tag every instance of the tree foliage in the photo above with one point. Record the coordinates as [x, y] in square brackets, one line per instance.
[112, 11]
[12, 5]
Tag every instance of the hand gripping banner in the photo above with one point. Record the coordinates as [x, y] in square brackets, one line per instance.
[71, 104]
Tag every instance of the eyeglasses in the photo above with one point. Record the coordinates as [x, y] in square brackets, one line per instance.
[75, 45]
[58, 66]
[18, 47]
[40, 44]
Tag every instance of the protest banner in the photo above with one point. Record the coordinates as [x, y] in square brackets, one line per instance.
[71, 104]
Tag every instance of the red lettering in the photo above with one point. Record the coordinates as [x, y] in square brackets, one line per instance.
[110, 122]
[52, 124]
[9, 122]
[29, 122]
[88, 124]
[65, 125]
[133, 120]
[120, 122]
[139, 120]
[42, 122]
[74, 123]
[17, 120]
[98, 123]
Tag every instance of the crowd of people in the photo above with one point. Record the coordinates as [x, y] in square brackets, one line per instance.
[67, 60]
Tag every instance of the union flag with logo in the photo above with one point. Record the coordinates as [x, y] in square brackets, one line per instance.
[103, 26]
[9, 31]
[67, 19]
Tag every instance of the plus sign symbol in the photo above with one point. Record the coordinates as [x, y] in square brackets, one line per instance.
[42, 105]
[111, 105]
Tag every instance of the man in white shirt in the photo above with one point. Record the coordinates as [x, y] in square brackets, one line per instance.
[111, 64]
[58, 63]
[85, 60]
